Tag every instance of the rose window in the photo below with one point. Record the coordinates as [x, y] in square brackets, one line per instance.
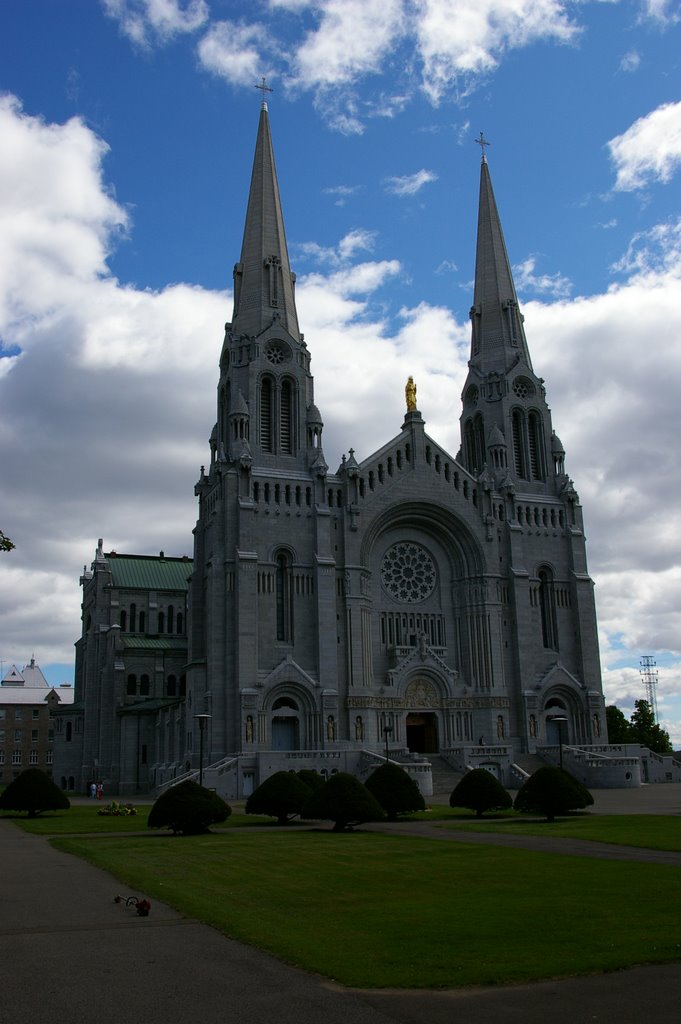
[276, 354]
[408, 572]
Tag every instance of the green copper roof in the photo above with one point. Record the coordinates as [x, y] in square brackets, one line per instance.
[146, 572]
[160, 643]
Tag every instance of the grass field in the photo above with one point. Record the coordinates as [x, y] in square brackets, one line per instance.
[378, 910]
[651, 831]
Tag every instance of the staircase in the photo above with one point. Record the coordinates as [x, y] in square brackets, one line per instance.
[529, 762]
[445, 778]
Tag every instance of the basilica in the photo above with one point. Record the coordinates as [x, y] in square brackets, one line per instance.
[429, 607]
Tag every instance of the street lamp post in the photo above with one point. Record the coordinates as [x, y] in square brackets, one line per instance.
[201, 719]
[387, 732]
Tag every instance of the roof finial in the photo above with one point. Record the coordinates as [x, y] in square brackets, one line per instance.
[482, 142]
[264, 87]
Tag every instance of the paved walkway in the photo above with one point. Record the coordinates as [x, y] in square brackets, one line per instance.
[68, 953]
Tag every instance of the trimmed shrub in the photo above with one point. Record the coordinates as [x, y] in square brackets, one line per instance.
[480, 791]
[345, 801]
[311, 778]
[551, 791]
[282, 795]
[33, 791]
[395, 790]
[188, 808]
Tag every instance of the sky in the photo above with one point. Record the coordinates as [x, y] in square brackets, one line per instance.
[127, 132]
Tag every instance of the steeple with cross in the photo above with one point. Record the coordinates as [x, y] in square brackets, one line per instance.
[264, 89]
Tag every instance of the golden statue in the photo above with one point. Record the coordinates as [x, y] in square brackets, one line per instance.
[410, 395]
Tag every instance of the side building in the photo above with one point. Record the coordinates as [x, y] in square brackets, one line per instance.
[28, 714]
[130, 681]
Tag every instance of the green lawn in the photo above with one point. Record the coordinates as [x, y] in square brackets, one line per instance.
[83, 818]
[651, 831]
[378, 910]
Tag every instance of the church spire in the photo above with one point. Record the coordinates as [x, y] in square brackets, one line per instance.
[263, 282]
[498, 339]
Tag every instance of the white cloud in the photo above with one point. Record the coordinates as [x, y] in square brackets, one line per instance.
[664, 12]
[458, 40]
[631, 61]
[649, 150]
[144, 21]
[235, 51]
[409, 184]
[527, 280]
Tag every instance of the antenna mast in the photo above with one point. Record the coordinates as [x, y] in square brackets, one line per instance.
[649, 676]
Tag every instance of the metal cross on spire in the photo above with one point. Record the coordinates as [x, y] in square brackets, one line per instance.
[482, 142]
[264, 88]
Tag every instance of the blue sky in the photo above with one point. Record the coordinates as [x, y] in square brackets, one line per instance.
[128, 129]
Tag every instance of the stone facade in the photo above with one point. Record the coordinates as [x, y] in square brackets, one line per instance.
[416, 601]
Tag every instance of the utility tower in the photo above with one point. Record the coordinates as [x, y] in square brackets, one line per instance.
[649, 675]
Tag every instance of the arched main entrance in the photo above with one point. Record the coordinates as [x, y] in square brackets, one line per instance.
[422, 732]
[285, 724]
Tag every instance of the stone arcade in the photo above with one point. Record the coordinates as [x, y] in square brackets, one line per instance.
[432, 605]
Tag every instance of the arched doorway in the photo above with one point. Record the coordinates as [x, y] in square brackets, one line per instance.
[422, 732]
[285, 724]
[557, 722]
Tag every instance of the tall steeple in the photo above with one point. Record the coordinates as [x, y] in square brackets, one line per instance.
[498, 338]
[505, 421]
[263, 282]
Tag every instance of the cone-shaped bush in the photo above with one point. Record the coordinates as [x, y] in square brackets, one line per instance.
[282, 795]
[551, 791]
[188, 808]
[395, 790]
[33, 791]
[480, 791]
[345, 801]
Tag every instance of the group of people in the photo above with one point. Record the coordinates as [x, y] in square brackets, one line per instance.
[96, 791]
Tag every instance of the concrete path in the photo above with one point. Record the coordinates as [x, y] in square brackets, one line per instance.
[69, 954]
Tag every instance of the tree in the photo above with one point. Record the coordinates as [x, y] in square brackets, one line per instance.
[311, 778]
[551, 791]
[619, 728]
[480, 791]
[282, 795]
[5, 543]
[33, 791]
[395, 790]
[646, 730]
[188, 808]
[345, 801]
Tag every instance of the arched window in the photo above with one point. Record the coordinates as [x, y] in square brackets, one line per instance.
[124, 620]
[547, 607]
[286, 419]
[266, 403]
[143, 622]
[133, 617]
[180, 622]
[284, 579]
[535, 440]
[144, 685]
[171, 615]
[131, 688]
[519, 429]
[161, 622]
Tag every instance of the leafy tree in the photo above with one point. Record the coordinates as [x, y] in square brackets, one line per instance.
[5, 543]
[33, 791]
[619, 727]
[345, 801]
[395, 790]
[646, 730]
[188, 808]
[311, 778]
[551, 791]
[480, 791]
[282, 795]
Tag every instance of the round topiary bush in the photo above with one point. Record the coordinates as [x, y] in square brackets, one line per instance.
[480, 791]
[188, 808]
[311, 778]
[551, 791]
[282, 796]
[345, 801]
[395, 790]
[33, 791]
